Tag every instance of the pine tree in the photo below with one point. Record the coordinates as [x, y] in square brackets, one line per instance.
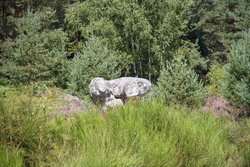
[217, 24]
[37, 53]
[93, 60]
[178, 83]
[190, 53]
[236, 83]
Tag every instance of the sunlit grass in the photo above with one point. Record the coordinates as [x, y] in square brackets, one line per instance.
[146, 133]
[151, 134]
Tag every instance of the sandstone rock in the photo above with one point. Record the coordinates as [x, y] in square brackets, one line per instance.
[114, 102]
[120, 88]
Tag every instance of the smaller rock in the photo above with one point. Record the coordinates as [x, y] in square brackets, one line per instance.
[114, 102]
[70, 104]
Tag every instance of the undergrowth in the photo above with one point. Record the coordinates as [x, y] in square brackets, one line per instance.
[147, 133]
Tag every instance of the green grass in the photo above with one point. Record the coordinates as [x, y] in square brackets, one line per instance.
[150, 134]
[142, 134]
[28, 129]
[10, 157]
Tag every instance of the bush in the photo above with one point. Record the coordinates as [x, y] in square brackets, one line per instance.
[179, 84]
[215, 76]
[94, 60]
[236, 85]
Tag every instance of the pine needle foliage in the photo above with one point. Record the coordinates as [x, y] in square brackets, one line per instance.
[179, 84]
[215, 76]
[94, 60]
[217, 23]
[236, 85]
[37, 53]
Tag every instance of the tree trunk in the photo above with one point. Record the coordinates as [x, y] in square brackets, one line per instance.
[135, 71]
[149, 63]
[17, 10]
[77, 38]
[140, 65]
[4, 18]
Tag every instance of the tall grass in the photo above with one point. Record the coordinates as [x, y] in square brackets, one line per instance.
[142, 134]
[151, 134]
[29, 135]
[10, 157]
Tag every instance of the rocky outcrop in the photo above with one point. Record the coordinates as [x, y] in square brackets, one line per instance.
[117, 91]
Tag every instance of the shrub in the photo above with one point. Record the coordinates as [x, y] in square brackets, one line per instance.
[236, 86]
[215, 76]
[179, 84]
[220, 107]
[94, 60]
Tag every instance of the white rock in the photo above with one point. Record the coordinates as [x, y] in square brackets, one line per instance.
[114, 102]
[112, 91]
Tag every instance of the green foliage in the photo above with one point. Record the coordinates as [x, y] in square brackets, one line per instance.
[16, 129]
[178, 83]
[241, 137]
[190, 52]
[215, 76]
[148, 31]
[217, 23]
[37, 53]
[236, 86]
[94, 60]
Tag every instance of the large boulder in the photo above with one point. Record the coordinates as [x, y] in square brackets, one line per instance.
[120, 88]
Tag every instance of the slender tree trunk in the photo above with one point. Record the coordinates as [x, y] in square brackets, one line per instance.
[17, 10]
[135, 70]
[140, 59]
[4, 17]
[163, 51]
[149, 63]
[77, 38]
[140, 65]
[133, 50]
[149, 55]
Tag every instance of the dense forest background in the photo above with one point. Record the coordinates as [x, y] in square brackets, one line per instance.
[196, 53]
[67, 43]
